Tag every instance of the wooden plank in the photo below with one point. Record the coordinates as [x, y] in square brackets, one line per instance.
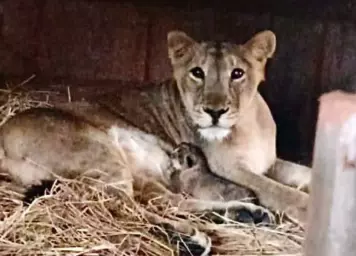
[340, 57]
[19, 26]
[341, 10]
[93, 40]
[331, 229]
[238, 27]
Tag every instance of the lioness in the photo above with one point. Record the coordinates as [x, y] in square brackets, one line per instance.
[212, 101]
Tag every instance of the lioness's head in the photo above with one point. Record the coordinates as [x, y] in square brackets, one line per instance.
[218, 80]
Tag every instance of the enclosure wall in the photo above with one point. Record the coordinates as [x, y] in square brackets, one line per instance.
[97, 42]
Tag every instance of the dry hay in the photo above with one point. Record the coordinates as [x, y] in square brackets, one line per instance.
[80, 220]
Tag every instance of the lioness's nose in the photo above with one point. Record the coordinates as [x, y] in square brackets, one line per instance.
[215, 113]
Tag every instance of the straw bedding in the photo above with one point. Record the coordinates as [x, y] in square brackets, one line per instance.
[76, 219]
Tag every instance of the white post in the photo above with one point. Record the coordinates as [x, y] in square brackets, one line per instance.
[331, 228]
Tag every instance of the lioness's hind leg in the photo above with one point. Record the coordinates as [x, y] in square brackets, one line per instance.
[112, 183]
[25, 172]
[110, 177]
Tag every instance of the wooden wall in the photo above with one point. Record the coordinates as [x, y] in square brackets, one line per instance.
[109, 41]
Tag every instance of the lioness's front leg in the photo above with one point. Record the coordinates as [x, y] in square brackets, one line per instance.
[271, 193]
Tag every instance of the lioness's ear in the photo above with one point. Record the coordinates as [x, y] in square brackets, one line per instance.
[180, 47]
[262, 45]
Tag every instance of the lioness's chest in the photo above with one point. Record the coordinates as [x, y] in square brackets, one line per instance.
[223, 158]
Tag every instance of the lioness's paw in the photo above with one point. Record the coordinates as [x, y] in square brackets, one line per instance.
[256, 216]
[244, 213]
[37, 190]
[196, 244]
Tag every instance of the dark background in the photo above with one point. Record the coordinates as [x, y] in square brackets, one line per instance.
[98, 45]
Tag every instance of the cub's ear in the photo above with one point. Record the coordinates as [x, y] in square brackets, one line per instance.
[262, 45]
[180, 47]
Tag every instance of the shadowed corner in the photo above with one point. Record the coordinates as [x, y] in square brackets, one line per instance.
[187, 245]
[36, 191]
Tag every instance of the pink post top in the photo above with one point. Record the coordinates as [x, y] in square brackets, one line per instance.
[331, 229]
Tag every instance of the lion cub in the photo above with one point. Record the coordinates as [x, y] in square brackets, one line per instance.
[191, 174]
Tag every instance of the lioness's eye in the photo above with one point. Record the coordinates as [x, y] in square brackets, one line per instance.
[197, 72]
[237, 73]
[189, 161]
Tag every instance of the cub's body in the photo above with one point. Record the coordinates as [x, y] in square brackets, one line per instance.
[192, 175]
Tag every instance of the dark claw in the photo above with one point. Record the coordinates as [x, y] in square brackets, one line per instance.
[240, 215]
[246, 216]
[261, 217]
[37, 190]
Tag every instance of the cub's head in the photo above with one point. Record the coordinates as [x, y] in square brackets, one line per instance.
[218, 80]
[187, 155]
